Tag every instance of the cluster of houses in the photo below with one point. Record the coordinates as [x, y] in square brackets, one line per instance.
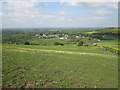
[51, 36]
[66, 36]
[56, 36]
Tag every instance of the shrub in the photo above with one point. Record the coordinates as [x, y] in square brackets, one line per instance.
[26, 43]
[80, 43]
[57, 43]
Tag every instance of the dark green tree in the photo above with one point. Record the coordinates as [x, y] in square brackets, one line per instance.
[56, 43]
[80, 43]
[27, 43]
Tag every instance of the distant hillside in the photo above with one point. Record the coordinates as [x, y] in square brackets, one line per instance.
[106, 30]
[105, 34]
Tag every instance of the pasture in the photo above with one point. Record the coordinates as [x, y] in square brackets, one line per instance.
[35, 66]
[48, 41]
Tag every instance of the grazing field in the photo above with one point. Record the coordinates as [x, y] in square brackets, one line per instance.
[48, 41]
[69, 66]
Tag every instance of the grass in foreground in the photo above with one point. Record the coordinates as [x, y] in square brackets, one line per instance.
[32, 68]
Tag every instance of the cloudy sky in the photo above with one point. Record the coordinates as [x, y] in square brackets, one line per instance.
[24, 14]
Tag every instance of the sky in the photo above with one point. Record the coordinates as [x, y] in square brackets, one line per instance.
[29, 14]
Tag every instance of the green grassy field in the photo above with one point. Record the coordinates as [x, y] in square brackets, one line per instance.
[48, 41]
[59, 67]
[113, 30]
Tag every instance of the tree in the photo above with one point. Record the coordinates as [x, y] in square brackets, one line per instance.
[27, 43]
[57, 43]
[80, 43]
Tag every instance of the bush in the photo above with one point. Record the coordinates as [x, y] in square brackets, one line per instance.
[62, 44]
[26, 43]
[80, 43]
[57, 43]
[112, 50]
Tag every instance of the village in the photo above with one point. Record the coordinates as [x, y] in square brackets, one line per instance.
[44, 36]
[64, 36]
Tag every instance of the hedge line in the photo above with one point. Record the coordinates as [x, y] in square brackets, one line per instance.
[113, 50]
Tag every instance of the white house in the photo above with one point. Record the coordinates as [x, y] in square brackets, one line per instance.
[63, 38]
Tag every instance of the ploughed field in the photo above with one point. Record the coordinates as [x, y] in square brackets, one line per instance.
[35, 66]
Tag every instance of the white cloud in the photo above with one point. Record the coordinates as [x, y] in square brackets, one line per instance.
[1, 14]
[62, 1]
[48, 16]
[29, 14]
[72, 4]
[91, 4]
[62, 13]
[99, 18]
[20, 9]
[103, 11]
[60, 19]
[47, 4]
[88, 21]
[20, 6]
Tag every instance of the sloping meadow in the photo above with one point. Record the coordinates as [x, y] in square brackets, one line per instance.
[39, 67]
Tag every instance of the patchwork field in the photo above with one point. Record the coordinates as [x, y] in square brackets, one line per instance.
[27, 66]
